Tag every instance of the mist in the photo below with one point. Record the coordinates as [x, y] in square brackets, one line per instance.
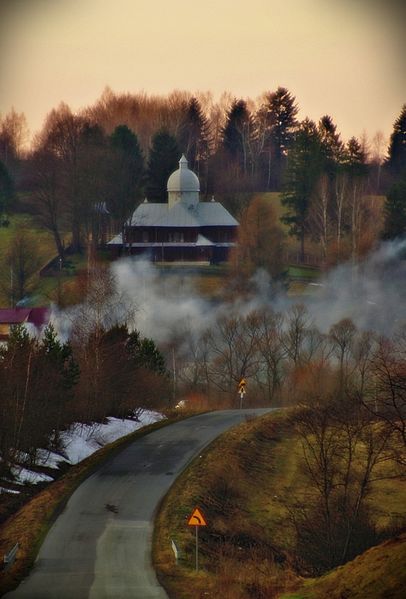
[166, 307]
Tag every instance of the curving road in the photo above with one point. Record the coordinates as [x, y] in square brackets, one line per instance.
[100, 546]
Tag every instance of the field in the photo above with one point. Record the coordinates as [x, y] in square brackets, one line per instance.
[46, 247]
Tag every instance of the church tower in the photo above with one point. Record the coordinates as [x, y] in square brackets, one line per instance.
[183, 186]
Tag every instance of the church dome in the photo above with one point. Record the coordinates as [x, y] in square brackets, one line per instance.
[183, 180]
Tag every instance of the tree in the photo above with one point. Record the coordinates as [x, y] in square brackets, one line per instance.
[342, 450]
[379, 144]
[13, 135]
[395, 211]
[6, 190]
[356, 169]
[397, 146]
[128, 168]
[194, 137]
[260, 244]
[302, 175]
[61, 135]
[20, 265]
[237, 137]
[47, 194]
[331, 145]
[280, 111]
[163, 160]
[145, 353]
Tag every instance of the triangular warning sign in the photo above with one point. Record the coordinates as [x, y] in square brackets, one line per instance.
[197, 518]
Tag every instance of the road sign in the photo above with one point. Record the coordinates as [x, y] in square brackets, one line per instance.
[197, 518]
[241, 386]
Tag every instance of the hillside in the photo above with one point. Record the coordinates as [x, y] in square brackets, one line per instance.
[379, 573]
[246, 485]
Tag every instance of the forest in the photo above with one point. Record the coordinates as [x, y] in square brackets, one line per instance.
[106, 158]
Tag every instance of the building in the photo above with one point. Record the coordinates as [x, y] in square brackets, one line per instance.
[183, 229]
[34, 318]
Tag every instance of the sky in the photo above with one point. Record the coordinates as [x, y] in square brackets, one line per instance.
[339, 57]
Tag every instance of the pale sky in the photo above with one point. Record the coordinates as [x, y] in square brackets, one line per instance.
[336, 56]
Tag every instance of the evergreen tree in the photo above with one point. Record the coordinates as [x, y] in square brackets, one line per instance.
[6, 190]
[331, 145]
[129, 173]
[238, 136]
[397, 145]
[194, 136]
[145, 353]
[163, 160]
[395, 211]
[354, 159]
[280, 117]
[302, 175]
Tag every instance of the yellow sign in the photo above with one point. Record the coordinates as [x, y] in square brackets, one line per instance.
[241, 386]
[197, 518]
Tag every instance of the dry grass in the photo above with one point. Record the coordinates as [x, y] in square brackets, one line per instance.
[239, 553]
[379, 573]
[244, 484]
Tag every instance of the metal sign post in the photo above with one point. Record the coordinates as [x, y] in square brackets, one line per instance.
[241, 390]
[197, 519]
[197, 548]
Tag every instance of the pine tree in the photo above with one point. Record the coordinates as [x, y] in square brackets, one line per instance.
[237, 136]
[331, 145]
[194, 136]
[280, 113]
[302, 175]
[395, 211]
[129, 173]
[163, 160]
[397, 145]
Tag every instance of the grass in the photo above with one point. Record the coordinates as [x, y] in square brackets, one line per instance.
[239, 547]
[46, 249]
[379, 573]
[31, 523]
[244, 484]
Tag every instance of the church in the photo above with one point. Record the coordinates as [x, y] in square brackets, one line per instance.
[183, 230]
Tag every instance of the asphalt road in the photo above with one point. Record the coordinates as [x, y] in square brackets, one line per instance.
[100, 546]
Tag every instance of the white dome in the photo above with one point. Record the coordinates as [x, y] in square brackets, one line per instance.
[183, 180]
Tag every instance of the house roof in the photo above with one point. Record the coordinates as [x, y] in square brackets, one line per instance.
[35, 316]
[203, 214]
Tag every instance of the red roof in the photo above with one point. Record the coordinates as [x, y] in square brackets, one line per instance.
[36, 316]
[39, 317]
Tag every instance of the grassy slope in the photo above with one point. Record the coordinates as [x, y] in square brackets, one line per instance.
[379, 573]
[45, 242]
[243, 487]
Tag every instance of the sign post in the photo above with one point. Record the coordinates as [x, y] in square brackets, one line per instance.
[197, 519]
[241, 390]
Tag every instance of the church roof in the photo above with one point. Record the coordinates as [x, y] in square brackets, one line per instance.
[203, 214]
[183, 179]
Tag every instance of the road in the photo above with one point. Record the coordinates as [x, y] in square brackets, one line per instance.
[100, 546]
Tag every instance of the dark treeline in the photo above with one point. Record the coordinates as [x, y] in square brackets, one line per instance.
[106, 158]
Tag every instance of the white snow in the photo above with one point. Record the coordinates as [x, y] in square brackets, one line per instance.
[79, 442]
[29, 476]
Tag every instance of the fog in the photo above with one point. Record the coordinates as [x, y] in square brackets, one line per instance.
[371, 293]
[164, 306]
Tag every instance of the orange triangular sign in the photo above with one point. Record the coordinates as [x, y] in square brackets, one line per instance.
[197, 518]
